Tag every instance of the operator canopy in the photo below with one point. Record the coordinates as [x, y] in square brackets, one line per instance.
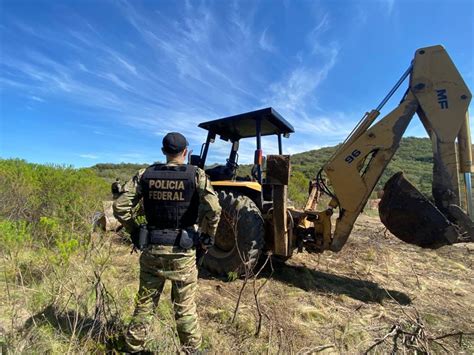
[244, 125]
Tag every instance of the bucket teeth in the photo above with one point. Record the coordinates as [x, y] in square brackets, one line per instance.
[411, 217]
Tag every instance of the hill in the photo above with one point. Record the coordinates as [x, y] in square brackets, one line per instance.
[123, 171]
[414, 158]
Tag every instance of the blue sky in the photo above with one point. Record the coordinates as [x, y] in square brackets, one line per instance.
[84, 82]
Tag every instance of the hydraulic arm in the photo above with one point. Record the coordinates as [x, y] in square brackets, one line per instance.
[438, 94]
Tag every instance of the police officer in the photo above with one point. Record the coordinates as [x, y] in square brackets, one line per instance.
[175, 197]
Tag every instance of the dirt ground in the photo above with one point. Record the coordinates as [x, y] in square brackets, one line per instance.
[344, 302]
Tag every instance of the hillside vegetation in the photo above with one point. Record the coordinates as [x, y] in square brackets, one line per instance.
[123, 171]
[414, 158]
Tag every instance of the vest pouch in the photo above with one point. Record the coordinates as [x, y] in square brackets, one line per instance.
[185, 241]
[143, 237]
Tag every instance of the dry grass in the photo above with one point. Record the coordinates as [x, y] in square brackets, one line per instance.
[334, 303]
[348, 300]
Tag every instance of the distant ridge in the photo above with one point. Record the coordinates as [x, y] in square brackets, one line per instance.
[414, 158]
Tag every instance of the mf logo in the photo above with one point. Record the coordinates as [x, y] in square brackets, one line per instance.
[442, 98]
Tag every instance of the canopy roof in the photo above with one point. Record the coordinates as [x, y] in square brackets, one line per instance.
[244, 125]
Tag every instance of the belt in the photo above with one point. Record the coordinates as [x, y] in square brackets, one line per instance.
[164, 236]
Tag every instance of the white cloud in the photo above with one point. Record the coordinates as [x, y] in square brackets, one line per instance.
[89, 156]
[321, 27]
[294, 92]
[130, 67]
[36, 98]
[240, 21]
[82, 67]
[265, 43]
[302, 147]
[290, 93]
[116, 80]
[132, 155]
[388, 5]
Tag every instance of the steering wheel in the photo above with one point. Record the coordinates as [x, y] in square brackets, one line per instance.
[232, 165]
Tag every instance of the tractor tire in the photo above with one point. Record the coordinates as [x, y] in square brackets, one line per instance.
[280, 260]
[234, 242]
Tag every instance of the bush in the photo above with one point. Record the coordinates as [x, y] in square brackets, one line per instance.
[124, 171]
[53, 204]
[29, 191]
[14, 236]
[298, 189]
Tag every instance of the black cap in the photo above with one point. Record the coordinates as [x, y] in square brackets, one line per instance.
[174, 143]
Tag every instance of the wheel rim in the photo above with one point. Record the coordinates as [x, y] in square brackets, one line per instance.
[225, 241]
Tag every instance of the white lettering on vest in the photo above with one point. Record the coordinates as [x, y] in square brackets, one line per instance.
[166, 190]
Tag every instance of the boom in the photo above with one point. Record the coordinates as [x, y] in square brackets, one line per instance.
[438, 94]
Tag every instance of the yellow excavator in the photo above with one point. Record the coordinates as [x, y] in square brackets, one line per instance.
[255, 211]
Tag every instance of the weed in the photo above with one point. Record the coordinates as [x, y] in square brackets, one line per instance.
[232, 276]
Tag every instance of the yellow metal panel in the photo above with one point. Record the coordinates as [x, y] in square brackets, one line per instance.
[352, 179]
[441, 91]
[353, 186]
[444, 98]
[248, 184]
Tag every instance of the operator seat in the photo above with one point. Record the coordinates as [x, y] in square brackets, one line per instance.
[220, 172]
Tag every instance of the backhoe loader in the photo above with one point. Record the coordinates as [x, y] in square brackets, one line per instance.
[256, 215]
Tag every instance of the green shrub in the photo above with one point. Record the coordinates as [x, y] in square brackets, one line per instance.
[14, 235]
[48, 206]
[124, 171]
[29, 191]
[298, 188]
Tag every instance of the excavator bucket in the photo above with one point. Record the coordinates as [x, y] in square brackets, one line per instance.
[411, 217]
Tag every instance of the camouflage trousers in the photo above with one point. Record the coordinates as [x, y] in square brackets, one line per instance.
[158, 264]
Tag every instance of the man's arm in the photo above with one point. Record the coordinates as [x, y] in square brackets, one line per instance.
[209, 207]
[125, 203]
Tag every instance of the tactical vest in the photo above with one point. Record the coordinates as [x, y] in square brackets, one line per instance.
[170, 197]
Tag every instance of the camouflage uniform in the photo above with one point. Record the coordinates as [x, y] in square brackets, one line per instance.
[162, 262]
